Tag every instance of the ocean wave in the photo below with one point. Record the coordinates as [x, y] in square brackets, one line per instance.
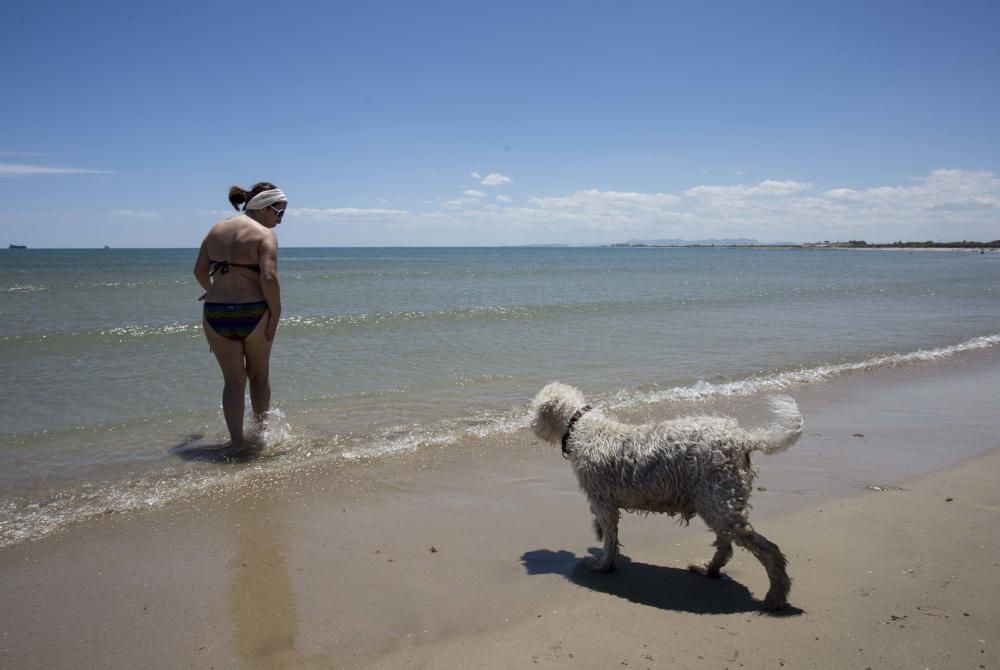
[131, 284]
[303, 322]
[471, 313]
[400, 439]
[780, 381]
[500, 312]
[117, 333]
[283, 455]
[147, 331]
[288, 454]
[410, 438]
[33, 288]
[23, 288]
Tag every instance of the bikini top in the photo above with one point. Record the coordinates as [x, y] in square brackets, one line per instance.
[223, 267]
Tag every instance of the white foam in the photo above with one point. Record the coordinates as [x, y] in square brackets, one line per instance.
[23, 288]
[146, 331]
[400, 439]
[19, 522]
[703, 390]
[283, 454]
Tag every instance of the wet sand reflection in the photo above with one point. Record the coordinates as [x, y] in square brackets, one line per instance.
[261, 599]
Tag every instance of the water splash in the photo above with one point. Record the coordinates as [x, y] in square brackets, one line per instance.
[283, 452]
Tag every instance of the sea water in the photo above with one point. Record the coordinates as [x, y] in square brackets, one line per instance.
[112, 399]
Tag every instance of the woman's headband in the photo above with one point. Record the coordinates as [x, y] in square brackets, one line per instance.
[265, 198]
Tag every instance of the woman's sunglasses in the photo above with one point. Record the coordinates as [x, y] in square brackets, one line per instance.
[278, 212]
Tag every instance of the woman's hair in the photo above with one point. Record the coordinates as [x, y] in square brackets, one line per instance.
[237, 196]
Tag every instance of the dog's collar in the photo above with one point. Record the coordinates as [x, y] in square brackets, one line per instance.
[569, 429]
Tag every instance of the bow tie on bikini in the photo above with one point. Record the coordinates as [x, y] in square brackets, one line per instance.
[221, 266]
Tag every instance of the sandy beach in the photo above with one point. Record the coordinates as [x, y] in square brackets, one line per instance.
[469, 557]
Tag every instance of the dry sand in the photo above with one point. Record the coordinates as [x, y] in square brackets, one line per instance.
[468, 556]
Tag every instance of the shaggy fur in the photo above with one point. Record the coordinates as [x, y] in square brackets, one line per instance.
[692, 466]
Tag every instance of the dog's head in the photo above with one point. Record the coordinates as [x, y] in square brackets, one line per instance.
[552, 409]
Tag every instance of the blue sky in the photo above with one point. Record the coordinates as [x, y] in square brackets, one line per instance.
[446, 123]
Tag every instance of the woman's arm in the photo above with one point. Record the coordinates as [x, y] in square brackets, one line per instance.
[267, 256]
[202, 267]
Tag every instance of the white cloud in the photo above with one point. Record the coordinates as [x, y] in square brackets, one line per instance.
[495, 179]
[943, 205]
[602, 199]
[347, 213]
[766, 188]
[940, 190]
[460, 203]
[17, 170]
[216, 213]
[134, 214]
[469, 193]
[475, 175]
[592, 212]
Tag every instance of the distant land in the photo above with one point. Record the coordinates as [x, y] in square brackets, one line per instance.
[735, 242]
[929, 244]
[826, 244]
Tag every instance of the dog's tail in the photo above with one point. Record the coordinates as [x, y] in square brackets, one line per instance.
[784, 432]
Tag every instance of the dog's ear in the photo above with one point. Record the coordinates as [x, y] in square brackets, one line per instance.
[544, 418]
[545, 406]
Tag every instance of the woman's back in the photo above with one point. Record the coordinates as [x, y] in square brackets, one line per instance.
[233, 249]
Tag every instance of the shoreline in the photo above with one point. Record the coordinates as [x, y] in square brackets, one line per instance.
[469, 556]
[803, 247]
[554, 245]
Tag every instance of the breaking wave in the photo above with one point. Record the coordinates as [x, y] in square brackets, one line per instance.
[287, 454]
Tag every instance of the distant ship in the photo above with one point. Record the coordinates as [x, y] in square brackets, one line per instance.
[106, 246]
[17, 246]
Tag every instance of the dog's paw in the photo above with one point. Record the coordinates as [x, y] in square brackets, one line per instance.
[703, 569]
[774, 603]
[598, 565]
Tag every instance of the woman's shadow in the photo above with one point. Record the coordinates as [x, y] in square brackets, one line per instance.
[190, 449]
[653, 585]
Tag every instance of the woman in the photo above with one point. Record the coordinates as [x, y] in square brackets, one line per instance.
[238, 268]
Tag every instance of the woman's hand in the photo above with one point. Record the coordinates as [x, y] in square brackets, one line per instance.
[272, 326]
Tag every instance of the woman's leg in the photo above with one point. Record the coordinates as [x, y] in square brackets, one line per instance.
[258, 362]
[229, 354]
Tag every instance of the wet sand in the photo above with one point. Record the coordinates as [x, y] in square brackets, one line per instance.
[468, 556]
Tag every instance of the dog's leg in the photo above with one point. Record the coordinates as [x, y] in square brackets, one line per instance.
[723, 552]
[606, 523]
[773, 561]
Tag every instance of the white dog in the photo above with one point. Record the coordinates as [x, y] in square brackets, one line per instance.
[691, 466]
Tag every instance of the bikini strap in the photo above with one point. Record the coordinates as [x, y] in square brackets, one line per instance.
[221, 266]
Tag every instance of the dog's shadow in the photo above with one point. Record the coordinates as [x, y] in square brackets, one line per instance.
[653, 585]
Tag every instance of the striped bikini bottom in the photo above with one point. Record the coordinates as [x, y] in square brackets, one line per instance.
[234, 321]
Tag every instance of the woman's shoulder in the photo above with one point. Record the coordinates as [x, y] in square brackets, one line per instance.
[226, 224]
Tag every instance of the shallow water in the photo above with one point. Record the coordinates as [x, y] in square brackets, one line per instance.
[113, 397]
